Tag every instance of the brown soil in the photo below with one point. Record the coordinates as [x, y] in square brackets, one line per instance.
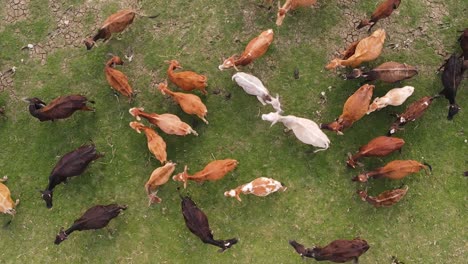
[16, 10]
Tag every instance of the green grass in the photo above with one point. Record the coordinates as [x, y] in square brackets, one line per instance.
[320, 205]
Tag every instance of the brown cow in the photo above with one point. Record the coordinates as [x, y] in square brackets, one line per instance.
[186, 80]
[338, 251]
[463, 39]
[169, 123]
[367, 49]
[156, 144]
[354, 109]
[413, 112]
[7, 206]
[214, 171]
[60, 108]
[291, 5]
[96, 217]
[394, 170]
[389, 72]
[384, 10]
[259, 187]
[158, 177]
[190, 103]
[255, 49]
[115, 23]
[377, 147]
[385, 199]
[117, 79]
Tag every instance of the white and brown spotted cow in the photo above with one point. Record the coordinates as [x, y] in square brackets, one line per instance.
[260, 187]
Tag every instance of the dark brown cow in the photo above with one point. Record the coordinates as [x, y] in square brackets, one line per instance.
[385, 9]
[389, 72]
[394, 170]
[377, 147]
[413, 112]
[338, 251]
[60, 108]
[197, 222]
[354, 109]
[95, 217]
[464, 43]
[451, 79]
[71, 164]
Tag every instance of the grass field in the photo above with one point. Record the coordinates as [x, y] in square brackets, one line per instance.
[320, 205]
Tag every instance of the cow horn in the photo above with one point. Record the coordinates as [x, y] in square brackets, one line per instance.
[25, 99]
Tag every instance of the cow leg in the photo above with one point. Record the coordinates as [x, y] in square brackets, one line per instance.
[17, 202]
[87, 108]
[356, 260]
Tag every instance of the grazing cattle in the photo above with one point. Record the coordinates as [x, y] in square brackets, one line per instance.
[465, 173]
[117, 79]
[255, 49]
[253, 86]
[72, 164]
[7, 206]
[413, 112]
[451, 79]
[214, 171]
[96, 217]
[384, 10]
[186, 80]
[385, 199]
[389, 72]
[354, 109]
[307, 131]
[259, 187]
[115, 23]
[158, 177]
[169, 123]
[338, 251]
[156, 144]
[377, 147]
[463, 39]
[394, 170]
[367, 49]
[394, 97]
[60, 108]
[197, 222]
[291, 5]
[190, 103]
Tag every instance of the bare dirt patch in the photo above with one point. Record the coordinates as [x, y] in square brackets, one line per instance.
[16, 10]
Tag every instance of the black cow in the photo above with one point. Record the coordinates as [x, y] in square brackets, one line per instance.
[451, 78]
[71, 164]
[338, 251]
[60, 108]
[197, 223]
[95, 217]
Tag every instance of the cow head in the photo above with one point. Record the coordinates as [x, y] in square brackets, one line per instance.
[272, 117]
[47, 197]
[136, 126]
[228, 243]
[173, 64]
[280, 15]
[182, 177]
[38, 103]
[361, 178]
[453, 110]
[135, 112]
[335, 126]
[362, 194]
[228, 63]
[233, 193]
[60, 237]
[89, 42]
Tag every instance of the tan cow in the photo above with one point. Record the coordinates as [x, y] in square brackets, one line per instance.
[158, 177]
[7, 206]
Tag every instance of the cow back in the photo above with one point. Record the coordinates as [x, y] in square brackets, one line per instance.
[195, 219]
[75, 162]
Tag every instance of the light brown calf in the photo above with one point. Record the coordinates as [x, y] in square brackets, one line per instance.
[7, 206]
[117, 79]
[169, 123]
[291, 5]
[186, 80]
[156, 144]
[190, 103]
[214, 171]
[158, 177]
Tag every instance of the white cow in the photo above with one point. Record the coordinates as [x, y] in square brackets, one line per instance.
[260, 187]
[307, 131]
[394, 97]
[253, 86]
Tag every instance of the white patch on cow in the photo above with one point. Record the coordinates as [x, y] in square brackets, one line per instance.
[248, 188]
[426, 103]
[232, 193]
[402, 120]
